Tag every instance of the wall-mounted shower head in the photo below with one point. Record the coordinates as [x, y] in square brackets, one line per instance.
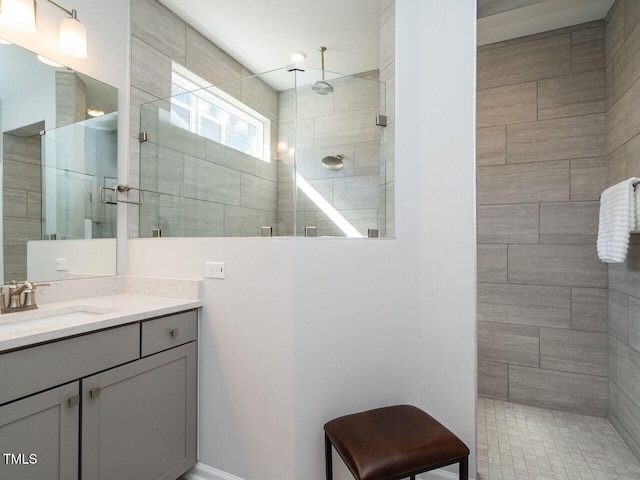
[322, 87]
[332, 163]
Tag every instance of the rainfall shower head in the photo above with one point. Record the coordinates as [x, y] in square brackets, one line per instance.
[332, 163]
[321, 87]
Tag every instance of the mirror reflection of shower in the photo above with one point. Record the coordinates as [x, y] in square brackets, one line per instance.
[321, 87]
[333, 163]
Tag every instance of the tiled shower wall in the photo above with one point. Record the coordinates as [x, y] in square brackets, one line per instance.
[542, 292]
[22, 200]
[623, 161]
[186, 161]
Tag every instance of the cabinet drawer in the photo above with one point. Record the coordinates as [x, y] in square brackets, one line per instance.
[30, 370]
[167, 332]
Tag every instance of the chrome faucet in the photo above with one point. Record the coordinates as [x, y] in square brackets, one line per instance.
[17, 302]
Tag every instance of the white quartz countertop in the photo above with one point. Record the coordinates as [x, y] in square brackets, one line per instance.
[54, 321]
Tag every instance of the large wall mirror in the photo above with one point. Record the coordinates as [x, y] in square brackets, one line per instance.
[58, 146]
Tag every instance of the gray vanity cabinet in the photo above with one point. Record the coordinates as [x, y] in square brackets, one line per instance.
[118, 404]
[39, 436]
[139, 420]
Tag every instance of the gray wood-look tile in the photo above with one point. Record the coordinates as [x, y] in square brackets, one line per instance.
[493, 380]
[15, 262]
[14, 201]
[588, 178]
[161, 169]
[623, 118]
[492, 7]
[569, 265]
[387, 36]
[260, 96]
[589, 309]
[22, 149]
[526, 62]
[577, 94]
[617, 166]
[357, 192]
[628, 370]
[626, 69]
[534, 305]
[390, 209]
[155, 24]
[348, 127]
[574, 392]
[524, 183]
[258, 193]
[507, 104]
[587, 50]
[150, 69]
[619, 315]
[569, 222]
[614, 31]
[207, 60]
[354, 93]
[632, 148]
[367, 159]
[207, 181]
[512, 344]
[631, 16]
[266, 170]
[613, 358]
[574, 351]
[243, 222]
[22, 176]
[491, 146]
[574, 137]
[34, 205]
[634, 323]
[624, 414]
[388, 77]
[361, 220]
[201, 219]
[17, 231]
[517, 223]
[230, 157]
[492, 263]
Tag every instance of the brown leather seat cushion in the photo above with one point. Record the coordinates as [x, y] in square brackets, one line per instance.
[392, 441]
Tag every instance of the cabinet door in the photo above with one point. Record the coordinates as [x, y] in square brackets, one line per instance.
[139, 420]
[39, 436]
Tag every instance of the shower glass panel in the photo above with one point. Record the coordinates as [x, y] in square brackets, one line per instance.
[77, 160]
[229, 159]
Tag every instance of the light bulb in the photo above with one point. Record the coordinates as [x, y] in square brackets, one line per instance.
[73, 38]
[19, 15]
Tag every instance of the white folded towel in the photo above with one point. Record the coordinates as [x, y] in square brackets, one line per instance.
[617, 219]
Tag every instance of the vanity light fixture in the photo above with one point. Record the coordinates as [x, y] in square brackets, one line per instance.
[20, 15]
[94, 112]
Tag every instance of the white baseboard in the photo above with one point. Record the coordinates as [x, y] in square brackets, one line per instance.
[205, 472]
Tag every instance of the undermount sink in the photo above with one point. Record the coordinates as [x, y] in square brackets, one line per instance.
[54, 314]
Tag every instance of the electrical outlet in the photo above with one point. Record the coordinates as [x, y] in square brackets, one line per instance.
[62, 264]
[214, 270]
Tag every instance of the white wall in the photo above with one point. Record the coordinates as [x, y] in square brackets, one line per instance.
[108, 61]
[303, 330]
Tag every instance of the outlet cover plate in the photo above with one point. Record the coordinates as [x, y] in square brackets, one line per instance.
[214, 270]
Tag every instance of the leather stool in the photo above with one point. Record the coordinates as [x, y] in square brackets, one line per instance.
[392, 443]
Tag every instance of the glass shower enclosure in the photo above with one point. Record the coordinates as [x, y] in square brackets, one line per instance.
[265, 155]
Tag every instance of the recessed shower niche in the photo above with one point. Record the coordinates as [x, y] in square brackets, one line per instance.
[265, 151]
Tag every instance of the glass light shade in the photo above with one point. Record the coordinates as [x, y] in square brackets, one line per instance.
[19, 15]
[73, 38]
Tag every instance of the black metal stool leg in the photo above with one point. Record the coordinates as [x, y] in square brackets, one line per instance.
[464, 468]
[327, 457]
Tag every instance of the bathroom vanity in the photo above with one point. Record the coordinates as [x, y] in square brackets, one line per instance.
[104, 390]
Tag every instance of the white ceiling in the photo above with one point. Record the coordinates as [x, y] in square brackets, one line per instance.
[262, 34]
[540, 17]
